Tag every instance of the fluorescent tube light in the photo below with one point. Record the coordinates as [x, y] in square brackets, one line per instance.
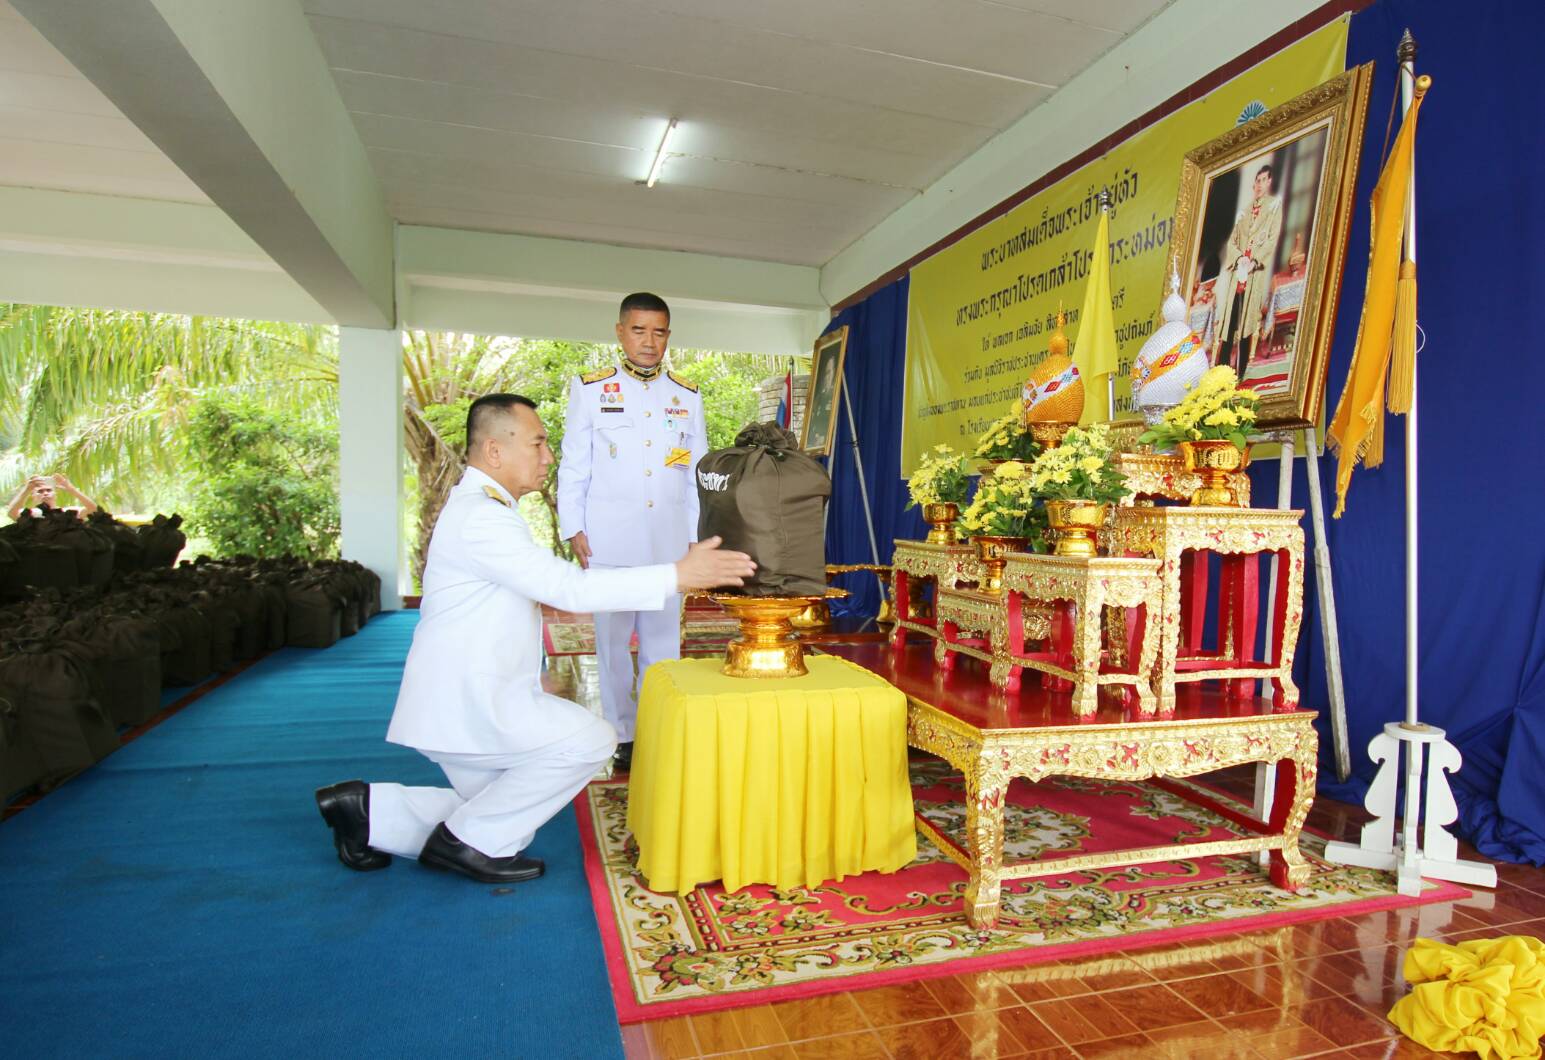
[659, 155]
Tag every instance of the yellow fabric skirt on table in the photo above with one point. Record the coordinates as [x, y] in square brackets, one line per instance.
[788, 781]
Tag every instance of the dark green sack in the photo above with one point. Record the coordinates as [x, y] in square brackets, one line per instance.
[766, 498]
[20, 765]
[52, 694]
[314, 614]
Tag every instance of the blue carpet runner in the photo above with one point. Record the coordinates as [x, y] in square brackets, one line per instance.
[182, 898]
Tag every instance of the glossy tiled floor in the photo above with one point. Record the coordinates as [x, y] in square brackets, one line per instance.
[1318, 989]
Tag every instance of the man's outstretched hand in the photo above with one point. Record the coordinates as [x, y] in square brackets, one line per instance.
[706, 566]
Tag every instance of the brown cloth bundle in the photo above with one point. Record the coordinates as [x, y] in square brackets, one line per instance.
[767, 499]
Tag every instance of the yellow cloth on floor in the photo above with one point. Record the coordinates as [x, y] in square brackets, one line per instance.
[1486, 996]
[790, 782]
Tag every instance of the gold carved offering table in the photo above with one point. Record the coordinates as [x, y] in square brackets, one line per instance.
[917, 564]
[992, 739]
[1088, 584]
[1176, 536]
[1164, 476]
[975, 622]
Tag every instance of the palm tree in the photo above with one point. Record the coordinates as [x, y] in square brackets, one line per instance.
[103, 395]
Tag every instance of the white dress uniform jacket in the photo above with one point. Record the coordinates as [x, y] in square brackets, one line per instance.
[627, 474]
[471, 698]
[473, 676]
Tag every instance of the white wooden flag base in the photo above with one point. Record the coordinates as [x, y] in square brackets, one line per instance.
[1436, 856]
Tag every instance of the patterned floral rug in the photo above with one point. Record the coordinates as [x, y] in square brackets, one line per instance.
[706, 950]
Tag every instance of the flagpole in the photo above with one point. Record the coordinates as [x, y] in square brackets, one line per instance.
[1406, 54]
[1110, 377]
[1429, 806]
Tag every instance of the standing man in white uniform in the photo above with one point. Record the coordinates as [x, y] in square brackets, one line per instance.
[471, 699]
[626, 493]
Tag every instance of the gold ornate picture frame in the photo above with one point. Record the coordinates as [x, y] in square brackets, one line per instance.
[1261, 229]
[820, 427]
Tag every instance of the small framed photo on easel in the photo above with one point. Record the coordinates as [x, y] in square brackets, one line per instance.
[820, 427]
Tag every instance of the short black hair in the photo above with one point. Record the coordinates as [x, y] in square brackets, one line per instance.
[482, 412]
[643, 302]
[1270, 170]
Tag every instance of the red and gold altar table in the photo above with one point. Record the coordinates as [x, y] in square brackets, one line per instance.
[993, 736]
[919, 563]
[786, 781]
[1178, 537]
[1087, 585]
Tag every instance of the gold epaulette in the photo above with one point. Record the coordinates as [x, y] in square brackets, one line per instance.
[679, 381]
[598, 375]
[495, 495]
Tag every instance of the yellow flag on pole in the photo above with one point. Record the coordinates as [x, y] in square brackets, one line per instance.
[1095, 353]
[1357, 430]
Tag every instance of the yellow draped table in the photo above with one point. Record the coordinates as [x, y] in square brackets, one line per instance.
[790, 781]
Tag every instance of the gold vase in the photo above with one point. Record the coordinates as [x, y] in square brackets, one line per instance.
[767, 645]
[1049, 434]
[941, 523]
[1076, 525]
[1214, 460]
[994, 553]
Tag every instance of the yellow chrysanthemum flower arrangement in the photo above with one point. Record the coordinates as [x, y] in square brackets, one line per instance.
[1215, 409]
[1005, 506]
[943, 477]
[1079, 469]
[1008, 438]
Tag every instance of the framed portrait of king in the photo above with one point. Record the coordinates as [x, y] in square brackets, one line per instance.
[1261, 230]
[820, 428]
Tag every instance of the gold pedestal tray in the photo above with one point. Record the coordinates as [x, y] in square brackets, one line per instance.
[767, 645]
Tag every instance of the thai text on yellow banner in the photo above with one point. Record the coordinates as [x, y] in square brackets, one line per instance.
[980, 311]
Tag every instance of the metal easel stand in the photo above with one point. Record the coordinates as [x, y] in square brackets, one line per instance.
[863, 486]
[1436, 855]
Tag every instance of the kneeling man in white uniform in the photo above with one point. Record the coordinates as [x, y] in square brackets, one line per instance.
[471, 699]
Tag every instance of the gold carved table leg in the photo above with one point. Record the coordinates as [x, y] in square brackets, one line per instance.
[1289, 613]
[986, 790]
[1168, 630]
[1295, 794]
[1086, 651]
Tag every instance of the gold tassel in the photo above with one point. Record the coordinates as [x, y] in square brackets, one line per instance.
[1402, 362]
[1373, 455]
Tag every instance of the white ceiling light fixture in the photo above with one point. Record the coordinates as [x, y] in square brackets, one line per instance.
[659, 155]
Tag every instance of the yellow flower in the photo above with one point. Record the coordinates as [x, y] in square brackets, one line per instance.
[1010, 470]
[1091, 464]
[941, 449]
[1061, 476]
[1222, 418]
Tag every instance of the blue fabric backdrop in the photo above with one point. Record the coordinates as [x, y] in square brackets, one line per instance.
[1479, 151]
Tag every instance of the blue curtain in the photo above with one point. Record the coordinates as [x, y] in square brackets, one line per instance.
[873, 374]
[1480, 154]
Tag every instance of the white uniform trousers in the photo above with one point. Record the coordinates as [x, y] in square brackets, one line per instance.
[659, 637]
[499, 800]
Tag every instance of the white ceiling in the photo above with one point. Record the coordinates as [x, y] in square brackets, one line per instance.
[58, 131]
[803, 122]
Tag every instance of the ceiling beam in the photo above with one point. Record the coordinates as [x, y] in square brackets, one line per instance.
[238, 96]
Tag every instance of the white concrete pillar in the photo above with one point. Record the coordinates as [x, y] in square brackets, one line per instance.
[370, 454]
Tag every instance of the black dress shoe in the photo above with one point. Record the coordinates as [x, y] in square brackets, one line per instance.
[444, 851]
[346, 809]
[622, 758]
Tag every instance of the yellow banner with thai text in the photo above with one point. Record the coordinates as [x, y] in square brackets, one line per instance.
[980, 311]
